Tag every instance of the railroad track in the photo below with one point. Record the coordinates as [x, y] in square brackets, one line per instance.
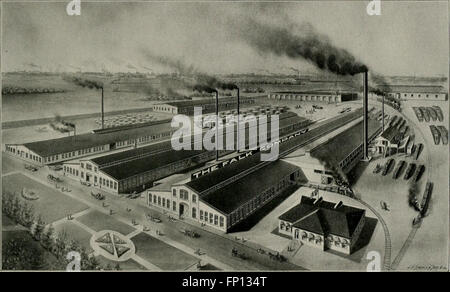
[412, 233]
[387, 237]
[404, 248]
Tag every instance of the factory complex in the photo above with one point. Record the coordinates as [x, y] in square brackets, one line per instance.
[219, 188]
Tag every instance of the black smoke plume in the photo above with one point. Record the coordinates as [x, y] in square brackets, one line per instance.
[299, 42]
[84, 82]
[202, 81]
[413, 196]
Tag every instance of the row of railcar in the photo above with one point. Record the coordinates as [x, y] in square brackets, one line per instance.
[433, 113]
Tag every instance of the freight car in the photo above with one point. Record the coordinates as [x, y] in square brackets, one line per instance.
[418, 174]
[436, 134]
[387, 166]
[399, 169]
[418, 113]
[426, 114]
[444, 134]
[426, 198]
[433, 113]
[409, 171]
[439, 113]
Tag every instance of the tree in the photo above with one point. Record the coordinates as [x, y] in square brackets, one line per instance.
[27, 215]
[16, 209]
[59, 249]
[47, 240]
[37, 228]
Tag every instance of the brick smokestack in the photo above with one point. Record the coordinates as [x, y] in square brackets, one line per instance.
[237, 128]
[217, 125]
[365, 111]
[103, 111]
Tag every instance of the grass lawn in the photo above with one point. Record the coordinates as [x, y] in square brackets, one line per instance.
[98, 221]
[161, 254]
[77, 233]
[51, 205]
[43, 260]
[10, 165]
[128, 265]
[7, 222]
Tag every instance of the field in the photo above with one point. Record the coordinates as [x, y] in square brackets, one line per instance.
[160, 254]
[51, 204]
[99, 221]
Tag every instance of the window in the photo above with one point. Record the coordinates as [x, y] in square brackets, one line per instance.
[221, 221]
[168, 204]
[211, 218]
[154, 199]
[216, 220]
[184, 195]
[164, 202]
[206, 216]
[194, 213]
[149, 198]
[201, 214]
[174, 206]
[194, 199]
[115, 185]
[159, 201]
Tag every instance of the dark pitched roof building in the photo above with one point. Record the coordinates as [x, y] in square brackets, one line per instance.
[324, 217]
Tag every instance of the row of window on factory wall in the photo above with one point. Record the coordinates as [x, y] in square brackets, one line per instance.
[184, 195]
[162, 202]
[70, 170]
[88, 166]
[419, 95]
[51, 158]
[32, 157]
[107, 183]
[210, 218]
[254, 204]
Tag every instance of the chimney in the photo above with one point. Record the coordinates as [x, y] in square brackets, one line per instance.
[318, 200]
[103, 112]
[237, 127]
[337, 205]
[217, 126]
[365, 118]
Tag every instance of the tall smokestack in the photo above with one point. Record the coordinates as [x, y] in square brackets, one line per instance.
[365, 110]
[238, 113]
[382, 111]
[103, 112]
[217, 125]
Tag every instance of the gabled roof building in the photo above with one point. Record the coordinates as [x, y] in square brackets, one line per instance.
[322, 224]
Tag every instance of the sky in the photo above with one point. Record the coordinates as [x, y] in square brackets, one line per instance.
[409, 38]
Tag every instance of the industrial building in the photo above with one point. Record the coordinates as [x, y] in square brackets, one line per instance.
[137, 169]
[339, 154]
[392, 141]
[226, 196]
[320, 96]
[323, 225]
[416, 92]
[207, 105]
[98, 141]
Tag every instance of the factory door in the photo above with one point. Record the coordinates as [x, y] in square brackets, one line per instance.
[183, 209]
[88, 177]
